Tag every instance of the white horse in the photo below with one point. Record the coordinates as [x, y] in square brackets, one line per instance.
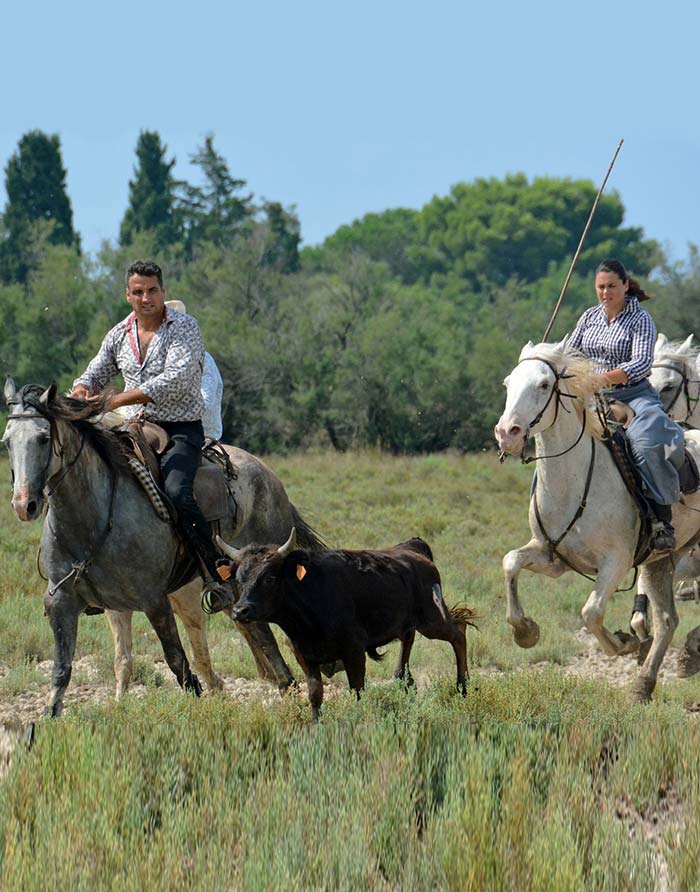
[582, 516]
[675, 378]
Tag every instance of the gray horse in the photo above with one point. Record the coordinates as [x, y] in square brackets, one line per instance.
[102, 544]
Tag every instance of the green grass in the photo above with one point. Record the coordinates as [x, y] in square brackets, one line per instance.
[535, 781]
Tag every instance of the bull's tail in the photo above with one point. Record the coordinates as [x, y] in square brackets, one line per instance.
[307, 537]
[463, 615]
[374, 654]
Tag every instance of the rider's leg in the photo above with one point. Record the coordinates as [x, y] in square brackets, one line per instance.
[179, 465]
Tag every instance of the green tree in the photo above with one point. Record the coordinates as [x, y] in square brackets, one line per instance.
[498, 229]
[283, 237]
[383, 237]
[35, 180]
[213, 212]
[151, 194]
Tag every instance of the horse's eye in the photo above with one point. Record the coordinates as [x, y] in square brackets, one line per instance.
[544, 385]
[43, 439]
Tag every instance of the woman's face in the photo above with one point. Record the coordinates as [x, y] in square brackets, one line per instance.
[611, 290]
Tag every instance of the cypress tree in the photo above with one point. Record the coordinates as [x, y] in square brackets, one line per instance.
[151, 194]
[35, 180]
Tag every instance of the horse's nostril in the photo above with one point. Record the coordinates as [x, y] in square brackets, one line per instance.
[31, 507]
[515, 431]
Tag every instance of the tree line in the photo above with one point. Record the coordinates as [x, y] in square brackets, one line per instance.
[395, 332]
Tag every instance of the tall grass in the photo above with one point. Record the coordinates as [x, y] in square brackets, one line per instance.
[535, 781]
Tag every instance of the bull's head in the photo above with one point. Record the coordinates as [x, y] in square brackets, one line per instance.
[260, 573]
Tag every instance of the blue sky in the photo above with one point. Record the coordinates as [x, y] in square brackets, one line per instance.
[342, 109]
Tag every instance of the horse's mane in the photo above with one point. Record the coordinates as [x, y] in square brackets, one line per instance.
[579, 380]
[80, 414]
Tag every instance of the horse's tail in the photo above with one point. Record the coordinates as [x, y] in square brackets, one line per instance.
[464, 616]
[307, 537]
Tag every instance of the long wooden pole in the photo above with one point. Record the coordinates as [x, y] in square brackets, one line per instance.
[580, 244]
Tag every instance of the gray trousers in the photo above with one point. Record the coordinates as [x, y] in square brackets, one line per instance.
[657, 442]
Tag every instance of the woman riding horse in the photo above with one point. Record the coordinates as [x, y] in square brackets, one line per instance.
[619, 336]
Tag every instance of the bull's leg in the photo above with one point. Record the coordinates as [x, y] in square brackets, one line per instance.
[354, 663]
[535, 557]
[268, 658]
[658, 582]
[63, 611]
[187, 604]
[402, 670]
[459, 646]
[610, 575]
[120, 625]
[315, 686]
[162, 619]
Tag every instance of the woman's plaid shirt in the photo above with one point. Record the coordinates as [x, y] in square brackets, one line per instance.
[625, 343]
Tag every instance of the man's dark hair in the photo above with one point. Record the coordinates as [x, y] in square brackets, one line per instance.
[144, 268]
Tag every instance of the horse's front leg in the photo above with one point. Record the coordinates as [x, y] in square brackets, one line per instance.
[657, 579]
[535, 557]
[120, 625]
[610, 575]
[63, 610]
[187, 604]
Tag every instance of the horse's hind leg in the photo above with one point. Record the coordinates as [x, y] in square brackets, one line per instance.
[120, 625]
[268, 659]
[162, 619]
[63, 612]
[535, 557]
[402, 670]
[187, 604]
[658, 582]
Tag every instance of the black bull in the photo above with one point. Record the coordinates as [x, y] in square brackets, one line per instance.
[341, 605]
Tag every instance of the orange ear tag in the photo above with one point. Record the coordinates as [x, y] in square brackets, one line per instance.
[301, 572]
[224, 571]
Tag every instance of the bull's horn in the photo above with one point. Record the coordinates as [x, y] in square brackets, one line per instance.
[233, 553]
[289, 545]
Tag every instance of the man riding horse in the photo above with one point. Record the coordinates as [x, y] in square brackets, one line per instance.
[160, 356]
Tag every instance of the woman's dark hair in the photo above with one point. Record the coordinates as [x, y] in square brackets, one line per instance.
[610, 265]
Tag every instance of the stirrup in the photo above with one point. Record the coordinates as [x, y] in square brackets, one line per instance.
[216, 596]
[663, 536]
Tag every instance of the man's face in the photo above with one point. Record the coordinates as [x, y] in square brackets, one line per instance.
[146, 296]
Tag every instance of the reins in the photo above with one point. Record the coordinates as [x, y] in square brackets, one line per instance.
[554, 543]
[78, 568]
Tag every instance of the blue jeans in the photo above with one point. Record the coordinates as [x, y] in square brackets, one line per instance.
[657, 442]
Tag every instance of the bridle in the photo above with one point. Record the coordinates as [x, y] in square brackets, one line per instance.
[683, 387]
[78, 567]
[556, 395]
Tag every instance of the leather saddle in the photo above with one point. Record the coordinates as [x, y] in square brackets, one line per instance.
[212, 485]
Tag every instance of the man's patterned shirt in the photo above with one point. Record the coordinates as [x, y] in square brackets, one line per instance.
[171, 373]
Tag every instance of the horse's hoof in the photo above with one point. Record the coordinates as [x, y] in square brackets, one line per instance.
[689, 656]
[688, 662]
[527, 633]
[642, 690]
[629, 644]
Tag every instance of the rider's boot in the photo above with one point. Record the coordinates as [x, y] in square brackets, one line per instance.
[663, 536]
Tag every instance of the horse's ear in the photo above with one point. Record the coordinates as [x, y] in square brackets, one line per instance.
[527, 350]
[563, 344]
[661, 342]
[48, 395]
[10, 390]
[687, 345]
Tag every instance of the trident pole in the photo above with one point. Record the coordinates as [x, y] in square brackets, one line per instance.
[580, 244]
